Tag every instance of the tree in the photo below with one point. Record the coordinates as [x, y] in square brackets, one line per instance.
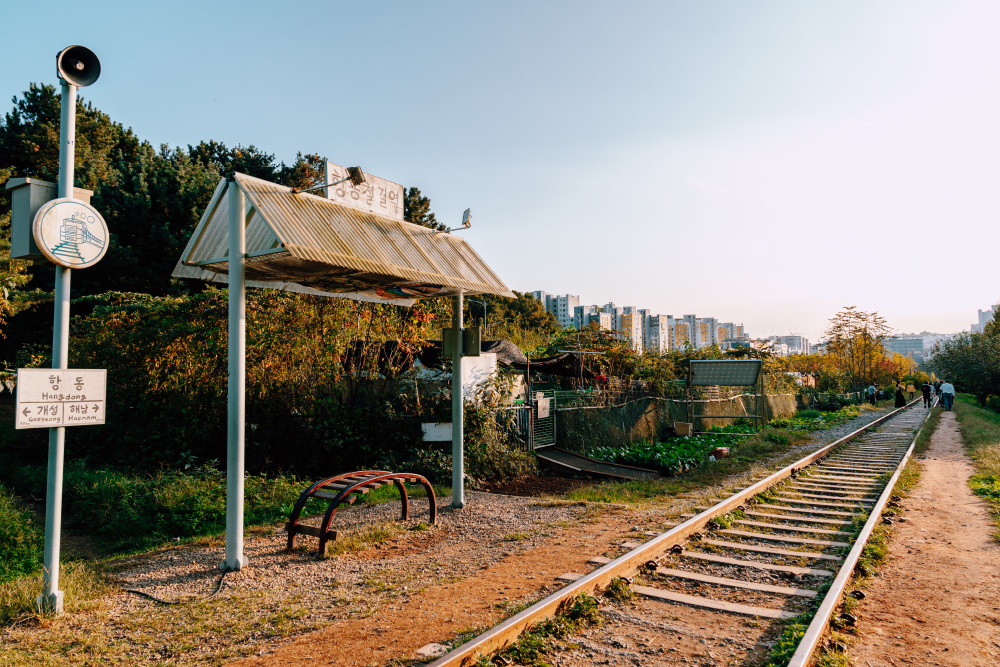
[417, 209]
[247, 160]
[971, 361]
[307, 171]
[856, 344]
[523, 311]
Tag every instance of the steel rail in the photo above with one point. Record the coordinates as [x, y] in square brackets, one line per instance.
[503, 634]
[818, 627]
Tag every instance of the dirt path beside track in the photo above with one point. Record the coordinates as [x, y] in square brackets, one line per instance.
[937, 601]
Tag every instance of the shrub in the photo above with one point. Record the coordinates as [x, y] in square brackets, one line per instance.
[830, 402]
[674, 456]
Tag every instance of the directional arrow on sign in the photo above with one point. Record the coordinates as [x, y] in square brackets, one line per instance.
[95, 407]
[25, 413]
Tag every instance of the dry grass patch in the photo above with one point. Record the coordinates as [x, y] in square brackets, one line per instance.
[363, 538]
[83, 584]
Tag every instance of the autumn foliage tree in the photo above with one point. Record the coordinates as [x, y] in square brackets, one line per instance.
[857, 345]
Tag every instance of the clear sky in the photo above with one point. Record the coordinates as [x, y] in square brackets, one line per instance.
[759, 162]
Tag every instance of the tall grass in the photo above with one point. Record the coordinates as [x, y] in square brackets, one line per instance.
[981, 433]
[130, 512]
[21, 538]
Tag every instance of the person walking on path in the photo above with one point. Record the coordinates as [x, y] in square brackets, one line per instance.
[871, 394]
[947, 394]
[910, 390]
[900, 398]
[925, 389]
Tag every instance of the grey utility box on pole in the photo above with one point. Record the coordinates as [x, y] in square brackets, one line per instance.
[27, 196]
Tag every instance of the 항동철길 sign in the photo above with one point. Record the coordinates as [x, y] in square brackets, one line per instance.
[48, 397]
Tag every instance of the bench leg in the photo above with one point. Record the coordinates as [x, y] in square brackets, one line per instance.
[432, 499]
[324, 529]
[404, 499]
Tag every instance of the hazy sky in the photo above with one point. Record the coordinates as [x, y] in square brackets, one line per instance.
[760, 162]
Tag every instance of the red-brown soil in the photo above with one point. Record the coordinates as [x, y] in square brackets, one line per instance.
[937, 601]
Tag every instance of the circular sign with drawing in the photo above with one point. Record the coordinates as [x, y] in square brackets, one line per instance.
[70, 233]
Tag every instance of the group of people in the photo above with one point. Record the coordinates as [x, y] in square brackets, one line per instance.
[929, 390]
[942, 388]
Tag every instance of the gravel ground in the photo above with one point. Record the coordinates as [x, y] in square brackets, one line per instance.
[493, 525]
[829, 435]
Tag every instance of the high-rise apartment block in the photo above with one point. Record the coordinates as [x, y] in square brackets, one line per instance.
[645, 331]
[561, 306]
[985, 316]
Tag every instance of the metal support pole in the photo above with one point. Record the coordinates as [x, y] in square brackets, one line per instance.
[237, 380]
[457, 408]
[51, 599]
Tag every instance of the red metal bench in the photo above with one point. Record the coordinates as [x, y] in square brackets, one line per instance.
[347, 488]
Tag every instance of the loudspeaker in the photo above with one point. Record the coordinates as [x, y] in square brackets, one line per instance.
[78, 65]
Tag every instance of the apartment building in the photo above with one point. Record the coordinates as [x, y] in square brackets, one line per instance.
[562, 306]
[585, 315]
[909, 345]
[632, 329]
[645, 331]
[796, 344]
[708, 331]
[985, 316]
[729, 330]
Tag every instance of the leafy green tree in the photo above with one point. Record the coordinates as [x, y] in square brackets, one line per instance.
[971, 362]
[523, 311]
[307, 171]
[243, 159]
[417, 209]
[29, 139]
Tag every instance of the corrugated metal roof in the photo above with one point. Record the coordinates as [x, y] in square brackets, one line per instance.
[307, 243]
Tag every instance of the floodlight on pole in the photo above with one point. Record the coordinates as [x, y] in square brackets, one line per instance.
[354, 175]
[466, 223]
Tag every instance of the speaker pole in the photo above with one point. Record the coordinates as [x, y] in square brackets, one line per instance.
[51, 599]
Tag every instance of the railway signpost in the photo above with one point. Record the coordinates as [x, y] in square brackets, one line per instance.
[72, 235]
[48, 398]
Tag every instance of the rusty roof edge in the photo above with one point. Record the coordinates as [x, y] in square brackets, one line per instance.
[469, 286]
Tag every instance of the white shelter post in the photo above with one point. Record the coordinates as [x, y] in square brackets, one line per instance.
[237, 379]
[457, 407]
[51, 599]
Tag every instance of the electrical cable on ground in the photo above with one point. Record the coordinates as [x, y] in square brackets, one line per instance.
[218, 589]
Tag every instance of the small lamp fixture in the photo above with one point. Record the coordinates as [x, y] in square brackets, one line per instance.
[466, 223]
[354, 175]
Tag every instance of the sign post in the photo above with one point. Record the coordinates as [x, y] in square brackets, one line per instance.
[457, 407]
[60, 240]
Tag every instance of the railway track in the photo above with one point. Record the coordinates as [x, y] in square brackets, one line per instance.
[780, 548]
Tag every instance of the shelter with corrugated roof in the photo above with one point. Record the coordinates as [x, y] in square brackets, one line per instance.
[306, 243]
[311, 244]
